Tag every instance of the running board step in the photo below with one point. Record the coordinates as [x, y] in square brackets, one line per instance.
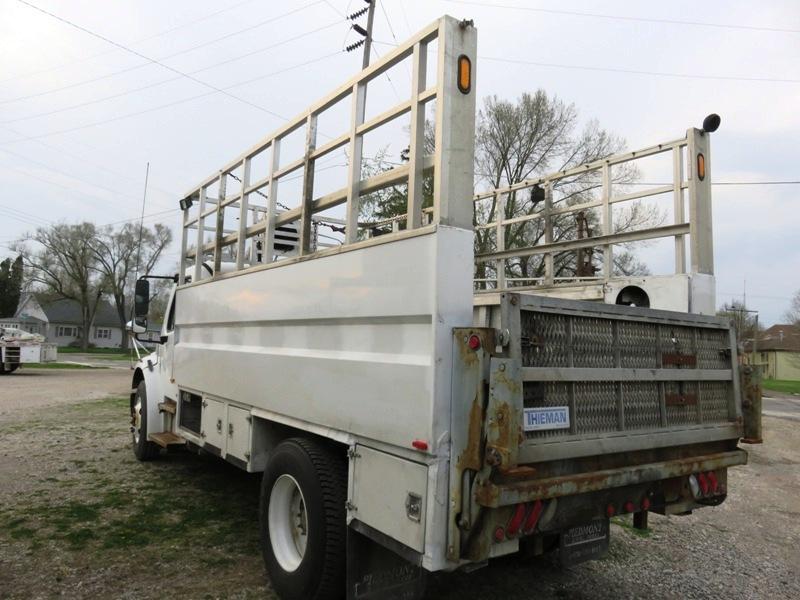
[168, 406]
[166, 438]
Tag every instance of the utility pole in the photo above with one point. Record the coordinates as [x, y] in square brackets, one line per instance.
[368, 37]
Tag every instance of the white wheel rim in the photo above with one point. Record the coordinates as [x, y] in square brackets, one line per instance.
[137, 419]
[288, 523]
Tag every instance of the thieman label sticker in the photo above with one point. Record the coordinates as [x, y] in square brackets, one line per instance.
[552, 417]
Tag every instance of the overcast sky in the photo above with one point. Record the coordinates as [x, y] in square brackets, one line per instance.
[80, 118]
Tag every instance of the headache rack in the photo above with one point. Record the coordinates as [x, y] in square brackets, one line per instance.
[252, 235]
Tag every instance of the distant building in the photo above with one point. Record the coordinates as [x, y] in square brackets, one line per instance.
[60, 322]
[778, 352]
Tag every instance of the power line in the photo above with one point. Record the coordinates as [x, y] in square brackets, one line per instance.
[148, 38]
[150, 61]
[573, 13]
[158, 83]
[71, 176]
[167, 105]
[635, 72]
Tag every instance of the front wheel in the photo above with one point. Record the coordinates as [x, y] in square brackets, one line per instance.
[303, 521]
[142, 448]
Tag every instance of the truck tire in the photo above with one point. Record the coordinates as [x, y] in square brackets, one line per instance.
[142, 448]
[303, 522]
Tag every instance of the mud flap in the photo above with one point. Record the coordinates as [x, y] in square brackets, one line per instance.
[376, 573]
[584, 542]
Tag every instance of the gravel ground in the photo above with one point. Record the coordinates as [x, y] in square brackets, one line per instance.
[81, 518]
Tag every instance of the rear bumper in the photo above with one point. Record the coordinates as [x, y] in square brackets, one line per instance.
[494, 495]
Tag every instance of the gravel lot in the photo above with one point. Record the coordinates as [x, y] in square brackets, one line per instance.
[80, 518]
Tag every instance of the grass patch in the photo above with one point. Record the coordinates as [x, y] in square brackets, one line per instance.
[109, 351]
[58, 365]
[785, 386]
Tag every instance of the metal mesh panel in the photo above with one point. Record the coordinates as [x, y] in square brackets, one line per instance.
[592, 342]
[637, 345]
[569, 340]
[713, 349]
[595, 407]
[714, 401]
[642, 405]
[544, 340]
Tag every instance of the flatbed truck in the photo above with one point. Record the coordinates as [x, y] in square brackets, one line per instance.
[404, 421]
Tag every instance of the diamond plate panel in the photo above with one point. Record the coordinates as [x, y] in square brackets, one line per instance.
[712, 345]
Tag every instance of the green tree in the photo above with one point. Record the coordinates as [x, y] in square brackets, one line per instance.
[10, 286]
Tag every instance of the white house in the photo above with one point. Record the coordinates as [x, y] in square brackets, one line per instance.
[60, 322]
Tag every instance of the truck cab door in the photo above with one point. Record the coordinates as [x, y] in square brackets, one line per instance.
[167, 352]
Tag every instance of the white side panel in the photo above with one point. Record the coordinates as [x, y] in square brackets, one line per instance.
[357, 341]
[381, 487]
[30, 354]
[238, 432]
[213, 423]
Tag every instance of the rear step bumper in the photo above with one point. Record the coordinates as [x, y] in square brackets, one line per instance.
[494, 495]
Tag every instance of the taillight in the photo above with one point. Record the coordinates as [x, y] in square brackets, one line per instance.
[703, 481]
[610, 511]
[499, 534]
[516, 521]
[713, 481]
[533, 517]
[645, 503]
[629, 507]
[474, 342]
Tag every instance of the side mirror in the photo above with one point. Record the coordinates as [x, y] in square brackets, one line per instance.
[141, 299]
[135, 327]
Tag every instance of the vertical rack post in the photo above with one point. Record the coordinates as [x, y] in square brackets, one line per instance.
[268, 249]
[201, 236]
[219, 232]
[678, 213]
[548, 233]
[357, 107]
[416, 146]
[500, 215]
[605, 217]
[184, 242]
[702, 248]
[455, 127]
[243, 211]
[306, 211]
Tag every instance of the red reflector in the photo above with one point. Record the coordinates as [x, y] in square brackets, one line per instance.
[499, 534]
[516, 521]
[420, 444]
[646, 504]
[713, 481]
[474, 342]
[610, 511]
[629, 507]
[533, 516]
[703, 481]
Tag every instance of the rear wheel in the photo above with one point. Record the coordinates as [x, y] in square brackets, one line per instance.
[302, 520]
[142, 448]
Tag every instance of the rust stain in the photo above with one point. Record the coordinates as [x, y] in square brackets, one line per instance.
[489, 494]
[680, 400]
[682, 360]
[471, 457]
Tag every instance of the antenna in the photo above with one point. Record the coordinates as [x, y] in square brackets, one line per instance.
[141, 226]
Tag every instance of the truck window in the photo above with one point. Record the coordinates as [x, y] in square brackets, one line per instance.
[171, 316]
